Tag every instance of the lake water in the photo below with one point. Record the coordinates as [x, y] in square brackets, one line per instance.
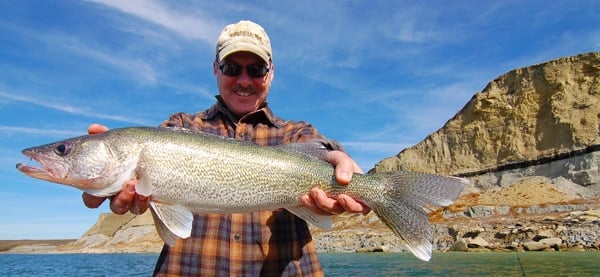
[371, 264]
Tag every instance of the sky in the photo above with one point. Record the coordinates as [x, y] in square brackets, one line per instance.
[378, 76]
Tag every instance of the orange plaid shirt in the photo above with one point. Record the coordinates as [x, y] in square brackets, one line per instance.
[267, 243]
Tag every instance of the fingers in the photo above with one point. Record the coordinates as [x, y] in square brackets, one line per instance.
[121, 202]
[318, 202]
[310, 204]
[94, 129]
[140, 204]
[91, 201]
[350, 204]
[344, 166]
[126, 200]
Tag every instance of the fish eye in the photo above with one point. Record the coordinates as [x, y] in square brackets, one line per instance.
[61, 149]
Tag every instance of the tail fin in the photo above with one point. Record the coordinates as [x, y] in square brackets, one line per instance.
[406, 204]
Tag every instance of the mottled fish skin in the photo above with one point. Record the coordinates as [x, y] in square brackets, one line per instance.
[189, 172]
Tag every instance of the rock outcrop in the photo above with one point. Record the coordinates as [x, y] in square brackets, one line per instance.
[526, 116]
[111, 234]
[530, 145]
[119, 233]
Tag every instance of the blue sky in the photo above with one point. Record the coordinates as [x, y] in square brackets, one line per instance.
[378, 76]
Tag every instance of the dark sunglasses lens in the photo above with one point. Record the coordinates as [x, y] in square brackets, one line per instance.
[257, 70]
[234, 70]
[230, 69]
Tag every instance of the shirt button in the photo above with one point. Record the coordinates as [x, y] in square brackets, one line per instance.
[236, 237]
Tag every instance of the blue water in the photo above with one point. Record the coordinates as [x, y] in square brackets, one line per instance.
[372, 264]
[465, 264]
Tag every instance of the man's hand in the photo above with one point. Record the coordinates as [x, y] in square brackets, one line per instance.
[126, 200]
[318, 201]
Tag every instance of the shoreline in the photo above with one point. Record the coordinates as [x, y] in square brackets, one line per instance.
[7, 245]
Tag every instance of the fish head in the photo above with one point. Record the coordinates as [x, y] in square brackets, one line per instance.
[84, 162]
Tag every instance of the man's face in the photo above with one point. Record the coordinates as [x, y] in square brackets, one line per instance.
[243, 93]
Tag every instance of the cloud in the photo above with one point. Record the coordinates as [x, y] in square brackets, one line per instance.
[187, 25]
[13, 130]
[69, 109]
[133, 66]
[136, 67]
[60, 44]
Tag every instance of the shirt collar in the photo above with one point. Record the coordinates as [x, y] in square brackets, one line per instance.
[262, 115]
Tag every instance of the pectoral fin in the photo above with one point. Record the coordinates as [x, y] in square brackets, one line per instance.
[172, 222]
[322, 221]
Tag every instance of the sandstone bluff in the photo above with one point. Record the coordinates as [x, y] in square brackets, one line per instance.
[529, 142]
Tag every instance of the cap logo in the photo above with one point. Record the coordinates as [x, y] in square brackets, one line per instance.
[246, 34]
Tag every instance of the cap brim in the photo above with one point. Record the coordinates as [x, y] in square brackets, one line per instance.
[243, 47]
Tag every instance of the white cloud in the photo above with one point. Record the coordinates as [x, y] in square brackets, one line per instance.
[64, 44]
[13, 130]
[132, 66]
[186, 24]
[136, 67]
[46, 103]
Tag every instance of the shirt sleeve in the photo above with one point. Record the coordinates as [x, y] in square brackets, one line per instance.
[181, 120]
[310, 133]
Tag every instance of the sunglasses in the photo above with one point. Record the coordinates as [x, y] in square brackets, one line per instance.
[258, 70]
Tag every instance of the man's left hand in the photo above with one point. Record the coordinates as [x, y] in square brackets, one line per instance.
[318, 201]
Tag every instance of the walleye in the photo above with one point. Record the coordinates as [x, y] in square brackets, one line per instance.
[188, 172]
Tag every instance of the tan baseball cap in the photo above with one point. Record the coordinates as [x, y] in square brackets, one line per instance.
[244, 36]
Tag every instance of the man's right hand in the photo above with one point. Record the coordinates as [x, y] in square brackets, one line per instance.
[126, 199]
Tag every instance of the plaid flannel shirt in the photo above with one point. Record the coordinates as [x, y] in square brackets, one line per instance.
[267, 243]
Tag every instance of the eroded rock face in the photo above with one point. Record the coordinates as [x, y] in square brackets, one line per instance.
[530, 145]
[527, 114]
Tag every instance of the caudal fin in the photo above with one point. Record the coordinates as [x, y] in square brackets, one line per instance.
[407, 202]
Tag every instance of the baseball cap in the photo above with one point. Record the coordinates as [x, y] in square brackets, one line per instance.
[244, 36]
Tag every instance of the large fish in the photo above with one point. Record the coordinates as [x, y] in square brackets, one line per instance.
[189, 172]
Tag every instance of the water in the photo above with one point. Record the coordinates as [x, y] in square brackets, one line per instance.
[373, 264]
[464, 264]
[77, 264]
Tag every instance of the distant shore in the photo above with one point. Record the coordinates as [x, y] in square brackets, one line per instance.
[6, 245]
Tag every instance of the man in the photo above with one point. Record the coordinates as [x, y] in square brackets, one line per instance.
[268, 243]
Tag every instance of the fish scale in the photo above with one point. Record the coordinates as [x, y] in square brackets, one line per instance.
[187, 172]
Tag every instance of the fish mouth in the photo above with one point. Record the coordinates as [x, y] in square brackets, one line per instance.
[52, 169]
[39, 173]
[31, 170]
[42, 172]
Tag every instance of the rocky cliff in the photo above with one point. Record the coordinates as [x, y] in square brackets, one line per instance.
[531, 114]
[529, 142]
